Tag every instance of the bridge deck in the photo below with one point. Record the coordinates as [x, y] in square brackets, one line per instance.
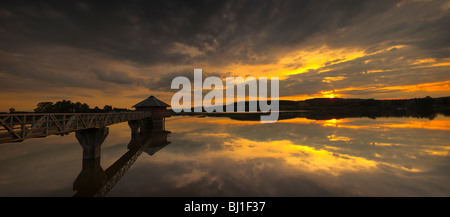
[21, 126]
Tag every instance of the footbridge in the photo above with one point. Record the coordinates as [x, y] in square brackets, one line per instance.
[147, 124]
[21, 126]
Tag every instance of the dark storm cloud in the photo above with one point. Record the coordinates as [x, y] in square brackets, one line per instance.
[61, 42]
[38, 68]
[163, 82]
[249, 32]
[114, 76]
[138, 31]
[144, 32]
[421, 24]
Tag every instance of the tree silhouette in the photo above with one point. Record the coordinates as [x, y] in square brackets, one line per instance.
[44, 107]
[67, 106]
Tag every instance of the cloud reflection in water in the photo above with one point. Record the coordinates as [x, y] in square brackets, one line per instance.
[297, 157]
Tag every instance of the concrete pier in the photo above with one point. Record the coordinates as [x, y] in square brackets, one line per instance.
[91, 141]
[134, 125]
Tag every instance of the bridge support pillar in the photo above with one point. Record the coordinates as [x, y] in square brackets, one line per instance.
[134, 125]
[91, 141]
[134, 142]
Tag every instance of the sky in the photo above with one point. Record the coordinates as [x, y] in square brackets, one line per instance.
[120, 52]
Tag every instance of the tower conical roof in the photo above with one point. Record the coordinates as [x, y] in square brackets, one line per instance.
[151, 102]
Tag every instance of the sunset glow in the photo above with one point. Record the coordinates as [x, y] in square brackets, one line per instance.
[225, 99]
[350, 54]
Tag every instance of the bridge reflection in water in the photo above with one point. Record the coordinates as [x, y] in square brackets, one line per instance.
[147, 135]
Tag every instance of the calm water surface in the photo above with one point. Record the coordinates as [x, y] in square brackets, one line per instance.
[223, 157]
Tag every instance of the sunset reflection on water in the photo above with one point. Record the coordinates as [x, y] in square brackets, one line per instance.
[218, 156]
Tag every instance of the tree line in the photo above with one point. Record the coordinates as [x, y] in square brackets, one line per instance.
[67, 106]
[329, 108]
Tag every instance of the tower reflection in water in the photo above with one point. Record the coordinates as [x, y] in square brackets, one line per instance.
[147, 136]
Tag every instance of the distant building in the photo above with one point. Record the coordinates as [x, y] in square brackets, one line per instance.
[156, 106]
[153, 104]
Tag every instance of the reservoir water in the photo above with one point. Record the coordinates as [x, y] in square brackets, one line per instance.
[219, 156]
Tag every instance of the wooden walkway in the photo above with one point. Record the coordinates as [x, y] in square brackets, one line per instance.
[21, 126]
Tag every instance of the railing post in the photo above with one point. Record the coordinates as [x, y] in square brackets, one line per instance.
[46, 128]
[24, 120]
